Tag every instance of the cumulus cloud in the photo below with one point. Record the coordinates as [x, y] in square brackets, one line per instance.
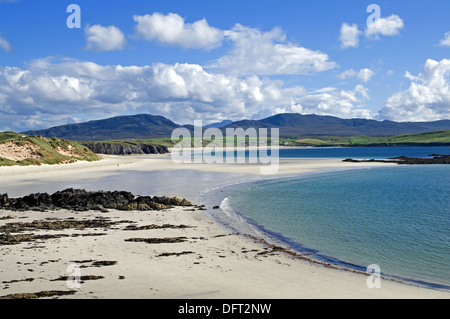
[446, 40]
[50, 92]
[5, 45]
[268, 53]
[253, 51]
[364, 75]
[348, 74]
[171, 29]
[389, 26]
[428, 97]
[349, 36]
[100, 38]
[341, 103]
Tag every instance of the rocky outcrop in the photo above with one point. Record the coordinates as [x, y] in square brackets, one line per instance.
[437, 159]
[125, 148]
[82, 200]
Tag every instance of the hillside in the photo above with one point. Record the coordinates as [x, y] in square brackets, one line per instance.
[436, 138]
[219, 124]
[144, 126]
[19, 149]
[296, 125]
[115, 128]
[125, 147]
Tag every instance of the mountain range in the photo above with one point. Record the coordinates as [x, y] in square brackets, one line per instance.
[290, 125]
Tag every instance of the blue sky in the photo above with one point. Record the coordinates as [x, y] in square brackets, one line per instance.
[216, 60]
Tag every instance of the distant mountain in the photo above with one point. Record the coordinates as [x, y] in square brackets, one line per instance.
[290, 124]
[219, 124]
[115, 128]
[295, 125]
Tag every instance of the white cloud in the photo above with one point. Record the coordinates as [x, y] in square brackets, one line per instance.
[171, 29]
[253, 51]
[428, 97]
[389, 26]
[50, 92]
[348, 74]
[268, 53]
[5, 45]
[364, 75]
[349, 36]
[100, 38]
[341, 103]
[446, 40]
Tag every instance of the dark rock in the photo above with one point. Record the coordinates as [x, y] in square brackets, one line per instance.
[104, 263]
[168, 240]
[403, 160]
[125, 148]
[175, 254]
[38, 200]
[41, 294]
[147, 227]
[82, 278]
[82, 200]
[4, 200]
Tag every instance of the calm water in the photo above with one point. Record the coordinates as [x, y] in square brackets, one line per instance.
[348, 152]
[363, 152]
[396, 217]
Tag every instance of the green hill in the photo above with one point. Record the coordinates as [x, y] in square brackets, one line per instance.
[296, 125]
[19, 149]
[145, 126]
[115, 128]
[436, 138]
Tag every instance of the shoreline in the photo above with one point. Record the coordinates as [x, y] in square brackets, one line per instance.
[298, 278]
[274, 239]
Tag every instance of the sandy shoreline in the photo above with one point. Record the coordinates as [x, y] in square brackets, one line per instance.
[210, 262]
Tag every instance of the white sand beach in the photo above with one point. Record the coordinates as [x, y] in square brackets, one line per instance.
[205, 261]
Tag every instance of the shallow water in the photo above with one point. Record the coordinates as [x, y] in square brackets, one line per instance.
[396, 217]
[340, 152]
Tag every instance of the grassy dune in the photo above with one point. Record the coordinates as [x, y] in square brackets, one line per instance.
[39, 150]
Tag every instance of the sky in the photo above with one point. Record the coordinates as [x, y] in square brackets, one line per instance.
[72, 61]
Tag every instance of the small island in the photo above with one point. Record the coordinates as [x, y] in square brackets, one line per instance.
[403, 160]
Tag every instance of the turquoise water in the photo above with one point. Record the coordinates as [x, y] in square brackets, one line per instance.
[333, 152]
[362, 152]
[396, 217]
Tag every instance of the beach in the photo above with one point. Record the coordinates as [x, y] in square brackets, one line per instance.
[184, 254]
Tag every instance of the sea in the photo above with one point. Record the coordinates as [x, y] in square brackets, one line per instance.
[396, 217]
